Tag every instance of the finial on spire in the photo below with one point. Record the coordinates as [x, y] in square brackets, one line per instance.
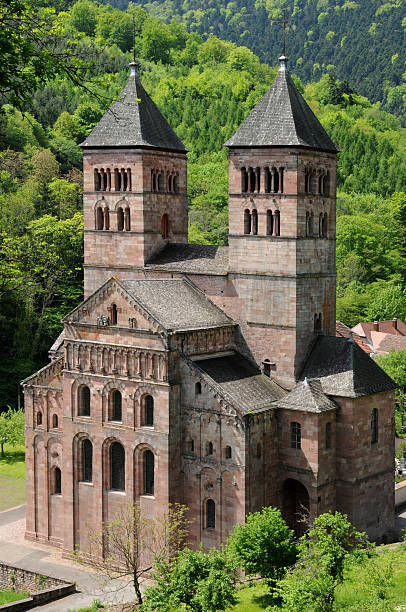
[134, 65]
[283, 60]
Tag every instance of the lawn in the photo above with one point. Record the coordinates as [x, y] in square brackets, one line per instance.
[9, 596]
[12, 477]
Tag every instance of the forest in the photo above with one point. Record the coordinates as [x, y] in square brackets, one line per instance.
[205, 87]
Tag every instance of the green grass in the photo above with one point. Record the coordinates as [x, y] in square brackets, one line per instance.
[13, 464]
[9, 596]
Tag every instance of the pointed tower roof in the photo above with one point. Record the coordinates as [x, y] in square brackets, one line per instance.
[282, 118]
[134, 121]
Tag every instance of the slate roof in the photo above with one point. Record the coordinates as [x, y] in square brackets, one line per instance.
[344, 369]
[134, 121]
[282, 118]
[307, 396]
[191, 258]
[241, 381]
[176, 304]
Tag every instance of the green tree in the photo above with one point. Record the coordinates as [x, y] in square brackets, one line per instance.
[394, 364]
[11, 428]
[388, 301]
[264, 545]
[201, 582]
[324, 552]
[66, 197]
[83, 16]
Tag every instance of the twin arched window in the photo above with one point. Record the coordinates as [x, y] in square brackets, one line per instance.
[273, 224]
[83, 401]
[102, 220]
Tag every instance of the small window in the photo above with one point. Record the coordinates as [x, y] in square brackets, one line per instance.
[149, 476]
[84, 401]
[209, 448]
[269, 223]
[120, 219]
[54, 421]
[374, 426]
[160, 181]
[247, 222]
[127, 219]
[39, 418]
[317, 323]
[198, 388]
[228, 452]
[114, 314]
[117, 467]
[328, 435]
[165, 226]
[210, 514]
[57, 482]
[277, 223]
[99, 218]
[275, 180]
[259, 451]
[267, 368]
[191, 446]
[149, 411]
[244, 180]
[116, 405]
[255, 222]
[295, 435]
[87, 461]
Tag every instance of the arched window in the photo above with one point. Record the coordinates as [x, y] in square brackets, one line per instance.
[170, 177]
[160, 181]
[244, 180]
[277, 223]
[275, 175]
[96, 180]
[39, 418]
[311, 224]
[374, 425]
[255, 222]
[198, 388]
[117, 180]
[56, 484]
[281, 179]
[320, 184]
[295, 435]
[326, 184]
[267, 368]
[99, 218]
[117, 467]
[87, 460]
[120, 219]
[252, 179]
[175, 184]
[209, 448]
[54, 421]
[153, 180]
[321, 225]
[317, 323]
[259, 451]
[267, 180]
[84, 401]
[149, 475]
[116, 405]
[165, 226]
[247, 222]
[149, 411]
[210, 514]
[127, 219]
[228, 452]
[328, 435]
[114, 314]
[269, 223]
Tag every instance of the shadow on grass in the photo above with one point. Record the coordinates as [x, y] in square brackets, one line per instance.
[264, 600]
[11, 457]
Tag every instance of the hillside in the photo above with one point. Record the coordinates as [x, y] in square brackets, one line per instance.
[362, 41]
[205, 89]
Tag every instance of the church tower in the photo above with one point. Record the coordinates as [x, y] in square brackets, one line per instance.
[282, 190]
[135, 198]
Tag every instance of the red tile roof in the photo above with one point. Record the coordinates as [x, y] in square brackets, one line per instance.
[342, 331]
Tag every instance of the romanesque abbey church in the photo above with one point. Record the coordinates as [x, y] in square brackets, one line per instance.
[208, 375]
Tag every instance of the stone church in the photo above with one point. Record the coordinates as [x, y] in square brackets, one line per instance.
[208, 375]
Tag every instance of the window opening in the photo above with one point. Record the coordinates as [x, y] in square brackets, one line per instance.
[99, 218]
[252, 180]
[160, 181]
[127, 219]
[317, 323]
[114, 314]
[87, 461]
[175, 184]
[374, 425]
[149, 467]
[165, 226]
[209, 448]
[295, 435]
[84, 401]
[198, 388]
[277, 223]
[120, 219]
[255, 222]
[116, 401]
[247, 222]
[228, 452]
[244, 180]
[275, 175]
[281, 179]
[55, 421]
[324, 226]
[267, 369]
[328, 435]
[57, 484]
[170, 183]
[210, 514]
[39, 418]
[117, 180]
[269, 223]
[191, 446]
[117, 467]
[149, 410]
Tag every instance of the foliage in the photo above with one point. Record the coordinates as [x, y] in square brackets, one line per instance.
[203, 582]
[394, 364]
[11, 428]
[264, 545]
[324, 552]
[129, 544]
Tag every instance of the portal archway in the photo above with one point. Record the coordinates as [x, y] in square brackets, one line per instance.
[295, 505]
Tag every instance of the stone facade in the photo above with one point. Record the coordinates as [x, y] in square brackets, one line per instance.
[180, 377]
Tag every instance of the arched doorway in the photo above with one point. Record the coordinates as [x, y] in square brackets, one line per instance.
[295, 505]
